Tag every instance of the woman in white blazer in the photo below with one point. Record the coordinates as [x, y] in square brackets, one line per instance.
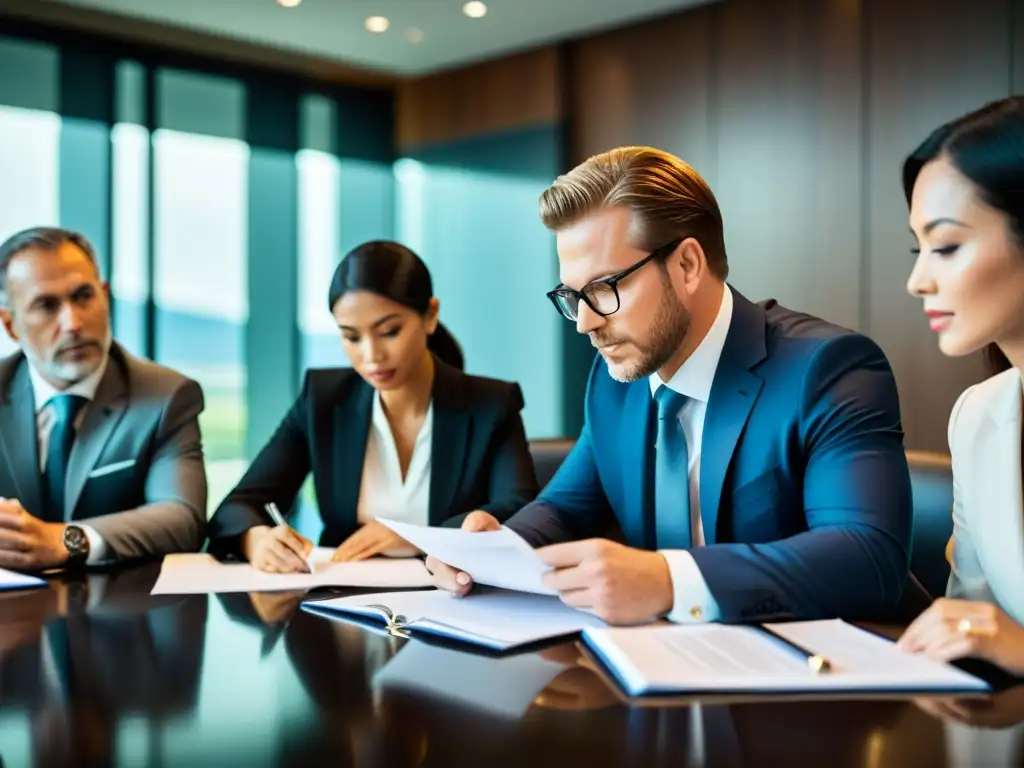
[965, 187]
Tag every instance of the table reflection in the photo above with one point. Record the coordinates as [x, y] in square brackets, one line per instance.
[96, 671]
[83, 655]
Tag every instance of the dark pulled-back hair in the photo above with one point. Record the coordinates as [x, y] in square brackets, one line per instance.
[395, 272]
[987, 147]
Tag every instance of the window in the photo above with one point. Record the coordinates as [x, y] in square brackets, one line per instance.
[200, 281]
[129, 278]
[492, 255]
[319, 253]
[29, 142]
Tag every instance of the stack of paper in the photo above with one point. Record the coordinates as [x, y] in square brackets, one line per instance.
[198, 573]
[492, 618]
[493, 558]
[14, 580]
[713, 658]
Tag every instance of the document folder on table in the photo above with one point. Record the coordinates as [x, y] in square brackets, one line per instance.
[771, 658]
[493, 618]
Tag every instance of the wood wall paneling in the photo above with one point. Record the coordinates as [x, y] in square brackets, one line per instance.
[928, 61]
[799, 113]
[647, 85]
[789, 155]
[493, 97]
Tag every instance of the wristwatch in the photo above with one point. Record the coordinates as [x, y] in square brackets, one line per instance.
[77, 544]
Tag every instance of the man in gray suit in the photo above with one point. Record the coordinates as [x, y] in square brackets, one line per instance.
[100, 453]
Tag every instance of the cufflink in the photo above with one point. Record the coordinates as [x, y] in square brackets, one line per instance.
[695, 613]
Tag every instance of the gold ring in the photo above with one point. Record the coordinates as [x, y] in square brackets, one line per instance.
[964, 627]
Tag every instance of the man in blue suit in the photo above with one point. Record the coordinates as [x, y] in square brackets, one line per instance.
[752, 455]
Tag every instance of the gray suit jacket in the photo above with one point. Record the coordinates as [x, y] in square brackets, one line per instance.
[136, 470]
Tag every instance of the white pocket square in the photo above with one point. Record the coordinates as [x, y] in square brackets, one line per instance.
[101, 471]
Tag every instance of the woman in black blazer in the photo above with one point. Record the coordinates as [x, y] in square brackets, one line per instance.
[403, 434]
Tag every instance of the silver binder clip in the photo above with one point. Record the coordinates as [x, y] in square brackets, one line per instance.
[395, 624]
[396, 628]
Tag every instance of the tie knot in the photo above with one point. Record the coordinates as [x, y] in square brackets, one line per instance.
[669, 402]
[66, 407]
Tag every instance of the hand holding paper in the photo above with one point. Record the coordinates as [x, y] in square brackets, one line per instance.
[453, 580]
[616, 583]
[496, 558]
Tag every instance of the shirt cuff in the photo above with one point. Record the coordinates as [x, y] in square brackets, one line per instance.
[693, 602]
[97, 546]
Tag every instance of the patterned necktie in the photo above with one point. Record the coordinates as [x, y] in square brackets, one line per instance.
[62, 437]
[671, 474]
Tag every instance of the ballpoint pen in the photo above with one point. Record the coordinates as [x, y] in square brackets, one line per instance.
[816, 663]
[275, 513]
[278, 518]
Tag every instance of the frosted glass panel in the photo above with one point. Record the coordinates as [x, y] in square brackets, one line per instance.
[342, 203]
[492, 262]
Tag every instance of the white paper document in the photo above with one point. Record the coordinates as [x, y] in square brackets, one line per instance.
[199, 573]
[502, 686]
[496, 619]
[669, 659]
[494, 558]
[14, 580]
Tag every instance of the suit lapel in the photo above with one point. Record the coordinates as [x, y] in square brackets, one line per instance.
[347, 454]
[733, 394]
[19, 438]
[448, 440]
[102, 415]
[1001, 530]
[638, 467]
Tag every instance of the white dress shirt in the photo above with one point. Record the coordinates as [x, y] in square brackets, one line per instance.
[383, 493]
[44, 392]
[693, 600]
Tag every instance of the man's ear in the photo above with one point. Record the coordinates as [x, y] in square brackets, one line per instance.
[692, 260]
[8, 320]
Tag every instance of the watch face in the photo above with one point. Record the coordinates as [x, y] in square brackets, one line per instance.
[75, 540]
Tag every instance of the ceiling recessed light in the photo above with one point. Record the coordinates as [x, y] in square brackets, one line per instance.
[413, 35]
[288, 3]
[377, 24]
[475, 9]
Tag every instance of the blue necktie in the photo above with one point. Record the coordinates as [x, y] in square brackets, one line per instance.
[671, 474]
[62, 437]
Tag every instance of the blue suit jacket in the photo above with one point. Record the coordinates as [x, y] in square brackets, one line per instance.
[804, 486]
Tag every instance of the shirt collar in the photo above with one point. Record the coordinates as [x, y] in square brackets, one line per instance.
[695, 376]
[44, 391]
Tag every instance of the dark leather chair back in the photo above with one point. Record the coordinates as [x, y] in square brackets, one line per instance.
[931, 478]
[548, 456]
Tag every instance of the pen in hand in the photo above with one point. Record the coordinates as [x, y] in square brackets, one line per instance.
[278, 518]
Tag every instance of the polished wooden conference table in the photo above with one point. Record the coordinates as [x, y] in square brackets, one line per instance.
[95, 671]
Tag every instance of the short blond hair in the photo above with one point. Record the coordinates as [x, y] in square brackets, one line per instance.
[667, 198]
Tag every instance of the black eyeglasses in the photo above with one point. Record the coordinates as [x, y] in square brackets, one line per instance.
[602, 296]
